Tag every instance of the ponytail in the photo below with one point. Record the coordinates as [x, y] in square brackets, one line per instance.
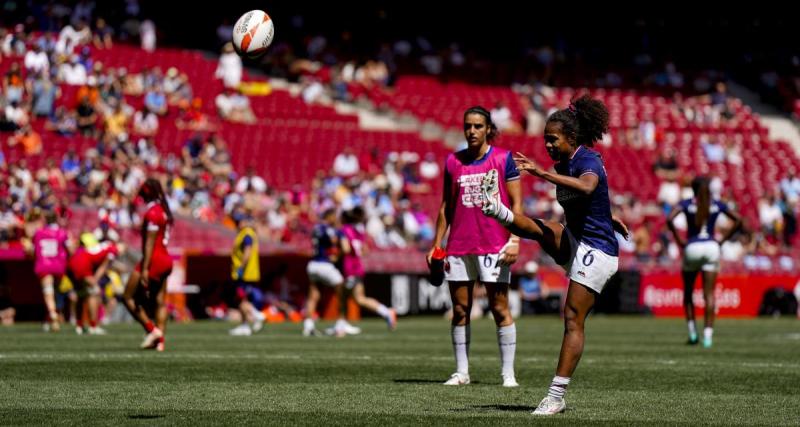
[153, 191]
[584, 121]
[702, 195]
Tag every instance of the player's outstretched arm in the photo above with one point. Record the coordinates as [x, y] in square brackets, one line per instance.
[585, 184]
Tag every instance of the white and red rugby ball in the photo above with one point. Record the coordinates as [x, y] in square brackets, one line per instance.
[253, 33]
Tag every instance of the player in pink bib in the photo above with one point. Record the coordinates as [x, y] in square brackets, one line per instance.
[353, 243]
[50, 263]
[477, 249]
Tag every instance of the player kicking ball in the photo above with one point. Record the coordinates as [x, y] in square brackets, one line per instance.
[585, 246]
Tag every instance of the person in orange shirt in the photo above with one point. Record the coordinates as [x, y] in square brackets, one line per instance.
[90, 91]
[29, 139]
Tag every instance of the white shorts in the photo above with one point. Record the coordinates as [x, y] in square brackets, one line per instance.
[324, 272]
[589, 266]
[469, 268]
[703, 255]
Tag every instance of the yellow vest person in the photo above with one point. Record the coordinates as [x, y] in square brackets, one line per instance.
[244, 256]
[246, 275]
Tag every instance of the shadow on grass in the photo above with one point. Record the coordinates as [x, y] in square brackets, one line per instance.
[487, 408]
[422, 381]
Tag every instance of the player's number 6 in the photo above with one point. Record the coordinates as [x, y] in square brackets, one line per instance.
[588, 259]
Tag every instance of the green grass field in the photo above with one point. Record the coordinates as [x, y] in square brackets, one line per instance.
[634, 371]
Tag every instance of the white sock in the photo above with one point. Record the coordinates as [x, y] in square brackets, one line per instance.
[460, 335]
[708, 333]
[341, 323]
[308, 324]
[514, 303]
[383, 311]
[256, 313]
[507, 340]
[692, 328]
[558, 388]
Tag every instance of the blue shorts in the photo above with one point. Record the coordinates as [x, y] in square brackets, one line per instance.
[250, 291]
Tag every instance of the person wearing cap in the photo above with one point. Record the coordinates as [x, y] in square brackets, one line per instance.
[246, 276]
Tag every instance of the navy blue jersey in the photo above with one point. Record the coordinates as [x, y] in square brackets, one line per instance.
[588, 216]
[706, 231]
[325, 240]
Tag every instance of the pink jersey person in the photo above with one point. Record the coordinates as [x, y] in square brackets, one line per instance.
[50, 251]
[352, 265]
[470, 232]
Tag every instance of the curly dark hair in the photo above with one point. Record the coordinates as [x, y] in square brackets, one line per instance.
[701, 186]
[584, 121]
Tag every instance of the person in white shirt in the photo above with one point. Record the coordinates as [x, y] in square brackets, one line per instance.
[790, 185]
[251, 182]
[147, 32]
[70, 36]
[234, 107]
[145, 123]
[36, 61]
[72, 73]
[669, 192]
[769, 214]
[16, 114]
[429, 167]
[312, 91]
[346, 163]
[501, 116]
[229, 68]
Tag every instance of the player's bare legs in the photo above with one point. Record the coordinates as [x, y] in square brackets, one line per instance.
[579, 301]
[48, 292]
[309, 328]
[688, 304]
[709, 279]
[136, 309]
[161, 313]
[374, 305]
